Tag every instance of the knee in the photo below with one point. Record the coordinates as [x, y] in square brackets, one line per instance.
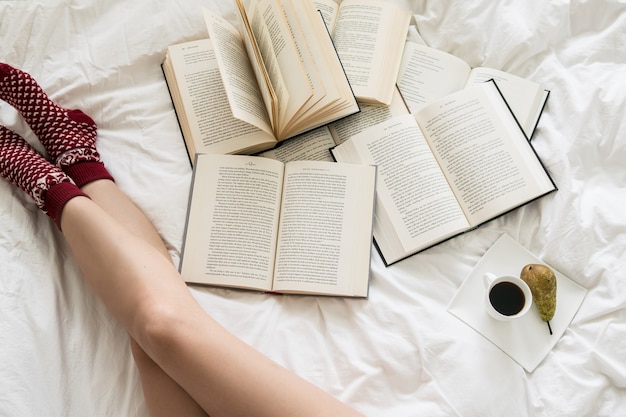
[157, 327]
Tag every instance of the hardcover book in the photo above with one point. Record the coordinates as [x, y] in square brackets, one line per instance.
[455, 164]
[301, 227]
[245, 92]
[427, 74]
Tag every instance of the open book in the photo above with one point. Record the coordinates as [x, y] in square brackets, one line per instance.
[243, 93]
[455, 164]
[301, 227]
[369, 36]
[427, 74]
[316, 145]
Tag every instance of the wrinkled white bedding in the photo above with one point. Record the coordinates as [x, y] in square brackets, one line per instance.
[399, 353]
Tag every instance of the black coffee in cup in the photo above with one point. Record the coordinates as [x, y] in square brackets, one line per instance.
[507, 298]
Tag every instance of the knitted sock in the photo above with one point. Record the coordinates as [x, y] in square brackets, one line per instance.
[23, 166]
[69, 136]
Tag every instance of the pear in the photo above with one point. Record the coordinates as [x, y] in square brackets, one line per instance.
[542, 282]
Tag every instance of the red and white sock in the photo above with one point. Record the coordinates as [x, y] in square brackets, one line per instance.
[69, 136]
[23, 166]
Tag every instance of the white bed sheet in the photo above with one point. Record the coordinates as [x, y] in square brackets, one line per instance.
[399, 353]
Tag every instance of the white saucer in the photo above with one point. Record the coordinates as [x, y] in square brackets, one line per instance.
[527, 340]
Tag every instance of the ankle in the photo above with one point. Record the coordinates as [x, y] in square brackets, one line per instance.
[57, 197]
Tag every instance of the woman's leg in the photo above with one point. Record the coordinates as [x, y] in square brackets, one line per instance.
[140, 286]
[146, 294]
[21, 165]
[164, 397]
[69, 137]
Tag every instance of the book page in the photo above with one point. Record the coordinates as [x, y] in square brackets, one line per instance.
[369, 36]
[489, 164]
[241, 87]
[325, 236]
[292, 47]
[282, 61]
[369, 115]
[328, 9]
[427, 74]
[332, 96]
[525, 97]
[413, 196]
[207, 122]
[311, 146]
[232, 221]
[303, 39]
[268, 91]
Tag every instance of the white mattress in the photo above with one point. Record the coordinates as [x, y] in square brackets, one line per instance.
[398, 353]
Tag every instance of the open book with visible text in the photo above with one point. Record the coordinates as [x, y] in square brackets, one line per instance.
[301, 227]
[244, 92]
[452, 166]
[427, 74]
[369, 36]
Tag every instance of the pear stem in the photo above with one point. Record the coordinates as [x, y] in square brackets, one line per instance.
[549, 327]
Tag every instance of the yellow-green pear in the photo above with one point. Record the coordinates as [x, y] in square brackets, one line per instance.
[542, 282]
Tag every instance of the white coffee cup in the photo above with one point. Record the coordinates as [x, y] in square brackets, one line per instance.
[507, 297]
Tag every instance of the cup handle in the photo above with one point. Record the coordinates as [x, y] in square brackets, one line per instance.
[488, 278]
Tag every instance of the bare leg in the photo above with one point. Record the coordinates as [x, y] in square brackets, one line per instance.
[164, 397]
[143, 290]
[111, 199]
[125, 263]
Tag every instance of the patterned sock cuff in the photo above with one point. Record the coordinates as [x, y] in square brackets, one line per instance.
[85, 172]
[57, 196]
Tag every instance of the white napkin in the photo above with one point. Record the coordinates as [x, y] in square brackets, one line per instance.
[527, 339]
